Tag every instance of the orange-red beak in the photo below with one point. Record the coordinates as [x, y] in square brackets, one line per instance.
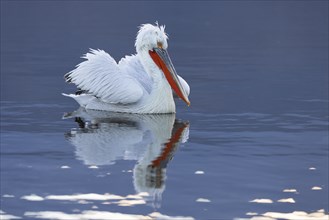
[161, 58]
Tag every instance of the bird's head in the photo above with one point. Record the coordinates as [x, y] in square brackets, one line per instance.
[152, 39]
[151, 36]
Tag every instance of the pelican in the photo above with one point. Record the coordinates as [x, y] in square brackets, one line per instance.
[142, 83]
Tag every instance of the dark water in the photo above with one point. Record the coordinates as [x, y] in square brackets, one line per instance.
[257, 125]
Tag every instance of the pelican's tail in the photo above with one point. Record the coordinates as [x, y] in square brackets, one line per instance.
[82, 99]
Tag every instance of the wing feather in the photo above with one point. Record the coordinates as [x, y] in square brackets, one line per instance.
[101, 76]
[185, 86]
[132, 66]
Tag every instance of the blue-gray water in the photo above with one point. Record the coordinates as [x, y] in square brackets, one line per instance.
[257, 124]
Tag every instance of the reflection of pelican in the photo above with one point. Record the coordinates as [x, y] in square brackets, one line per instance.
[140, 83]
[149, 139]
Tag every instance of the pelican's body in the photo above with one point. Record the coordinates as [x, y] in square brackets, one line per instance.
[141, 83]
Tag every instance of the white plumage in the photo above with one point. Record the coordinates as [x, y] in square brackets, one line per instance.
[137, 84]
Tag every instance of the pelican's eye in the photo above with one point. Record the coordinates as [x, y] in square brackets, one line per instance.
[159, 45]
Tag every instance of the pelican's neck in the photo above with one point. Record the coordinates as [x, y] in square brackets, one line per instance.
[150, 67]
[161, 95]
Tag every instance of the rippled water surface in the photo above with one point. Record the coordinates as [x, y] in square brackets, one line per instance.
[254, 142]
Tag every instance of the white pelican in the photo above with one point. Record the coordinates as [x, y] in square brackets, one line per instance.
[141, 83]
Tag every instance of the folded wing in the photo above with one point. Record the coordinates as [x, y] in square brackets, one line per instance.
[101, 76]
[132, 66]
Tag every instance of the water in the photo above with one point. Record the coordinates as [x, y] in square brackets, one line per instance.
[257, 125]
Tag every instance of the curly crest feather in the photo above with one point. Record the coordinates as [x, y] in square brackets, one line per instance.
[149, 36]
